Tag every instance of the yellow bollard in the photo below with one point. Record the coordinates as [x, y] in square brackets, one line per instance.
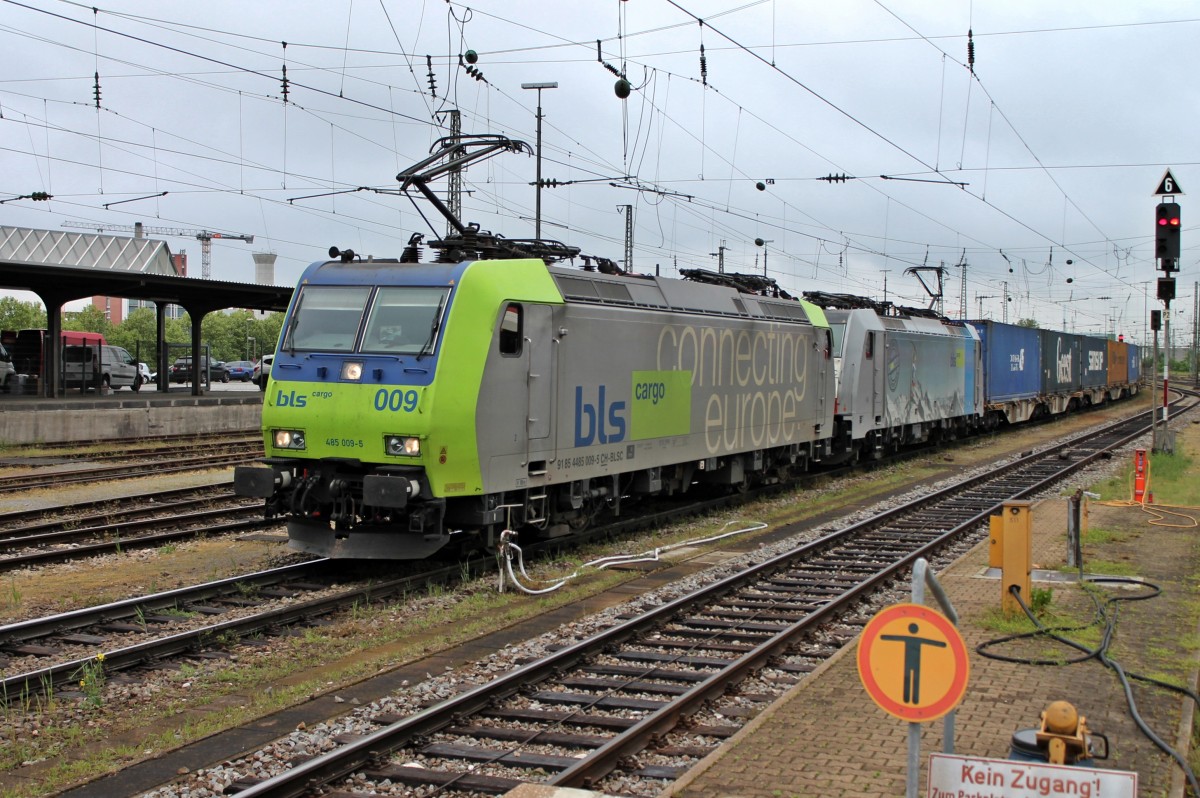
[1017, 547]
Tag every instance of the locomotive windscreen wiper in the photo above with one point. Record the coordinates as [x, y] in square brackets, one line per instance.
[291, 336]
[433, 328]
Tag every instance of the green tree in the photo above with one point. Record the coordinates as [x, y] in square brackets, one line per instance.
[1032, 323]
[226, 333]
[138, 334]
[265, 332]
[18, 315]
[90, 319]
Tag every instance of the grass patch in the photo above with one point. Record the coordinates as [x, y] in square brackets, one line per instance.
[1172, 480]
[1097, 536]
[1110, 568]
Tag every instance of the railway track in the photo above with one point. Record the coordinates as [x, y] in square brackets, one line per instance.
[164, 462]
[136, 631]
[44, 454]
[33, 538]
[75, 638]
[574, 716]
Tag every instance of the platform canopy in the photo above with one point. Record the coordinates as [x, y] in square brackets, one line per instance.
[60, 249]
[62, 266]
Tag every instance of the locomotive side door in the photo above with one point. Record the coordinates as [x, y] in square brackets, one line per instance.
[539, 343]
[877, 362]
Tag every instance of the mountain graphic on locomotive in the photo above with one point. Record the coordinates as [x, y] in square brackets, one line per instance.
[412, 406]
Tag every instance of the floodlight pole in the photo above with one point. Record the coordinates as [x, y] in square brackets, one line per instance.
[537, 215]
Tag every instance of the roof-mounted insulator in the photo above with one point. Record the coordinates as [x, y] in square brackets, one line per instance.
[284, 82]
[412, 252]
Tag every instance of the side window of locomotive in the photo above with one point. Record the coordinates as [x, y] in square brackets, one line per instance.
[839, 335]
[870, 353]
[327, 317]
[511, 328]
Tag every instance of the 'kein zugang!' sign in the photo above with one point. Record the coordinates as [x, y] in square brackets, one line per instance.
[953, 776]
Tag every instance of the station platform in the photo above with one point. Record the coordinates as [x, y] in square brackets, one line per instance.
[123, 414]
[827, 737]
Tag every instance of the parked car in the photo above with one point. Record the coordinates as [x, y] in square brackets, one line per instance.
[181, 371]
[240, 370]
[147, 374]
[262, 371]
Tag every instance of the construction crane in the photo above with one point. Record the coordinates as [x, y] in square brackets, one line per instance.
[204, 236]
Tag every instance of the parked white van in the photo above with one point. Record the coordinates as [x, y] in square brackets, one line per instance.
[104, 367]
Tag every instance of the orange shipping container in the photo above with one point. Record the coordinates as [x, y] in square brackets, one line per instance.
[1118, 363]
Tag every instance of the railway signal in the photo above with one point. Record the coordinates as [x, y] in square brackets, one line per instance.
[1166, 289]
[1167, 229]
[1166, 234]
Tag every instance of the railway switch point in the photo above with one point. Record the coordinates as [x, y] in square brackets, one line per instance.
[1017, 548]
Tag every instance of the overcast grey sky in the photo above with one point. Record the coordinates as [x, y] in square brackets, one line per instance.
[1061, 135]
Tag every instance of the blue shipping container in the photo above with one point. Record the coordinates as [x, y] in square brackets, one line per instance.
[1135, 363]
[1012, 360]
[1095, 361]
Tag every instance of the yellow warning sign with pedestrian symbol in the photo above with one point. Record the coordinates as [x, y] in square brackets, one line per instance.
[913, 662]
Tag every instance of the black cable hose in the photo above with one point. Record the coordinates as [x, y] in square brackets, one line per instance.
[1100, 653]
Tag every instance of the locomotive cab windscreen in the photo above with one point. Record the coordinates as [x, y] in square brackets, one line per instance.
[404, 320]
[400, 320]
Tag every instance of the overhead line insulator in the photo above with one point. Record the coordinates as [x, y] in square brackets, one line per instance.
[605, 64]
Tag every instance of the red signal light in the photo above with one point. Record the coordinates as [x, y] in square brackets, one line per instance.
[1167, 227]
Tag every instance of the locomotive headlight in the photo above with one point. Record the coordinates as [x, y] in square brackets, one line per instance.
[289, 438]
[352, 370]
[399, 445]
